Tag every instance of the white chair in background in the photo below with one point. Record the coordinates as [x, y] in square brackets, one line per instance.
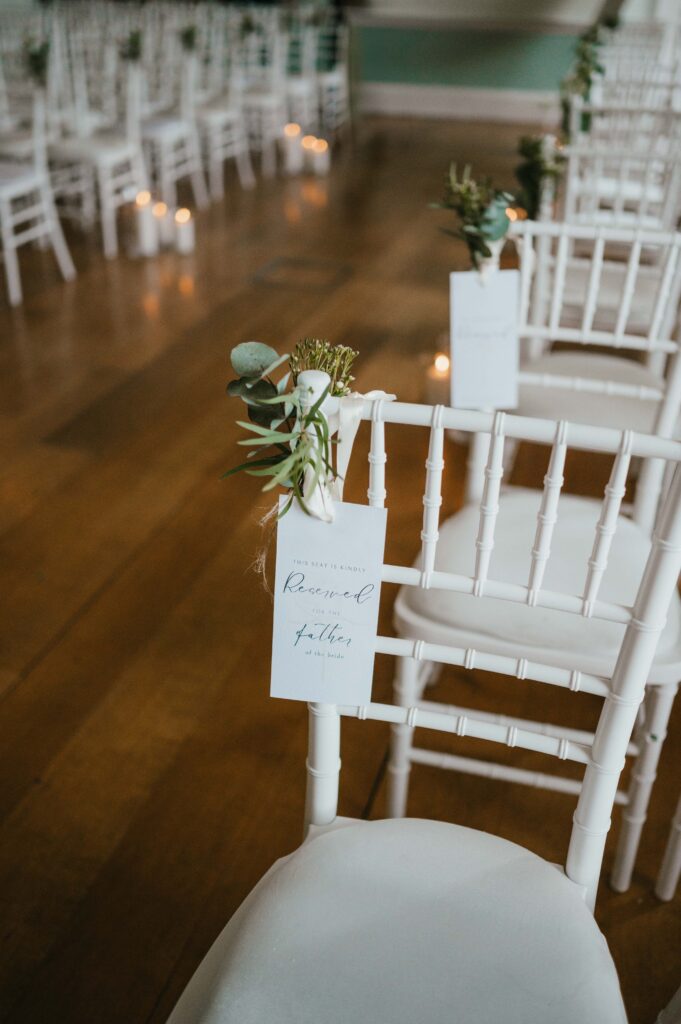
[646, 129]
[260, 62]
[103, 170]
[301, 78]
[172, 144]
[414, 920]
[586, 300]
[333, 79]
[27, 210]
[621, 188]
[223, 128]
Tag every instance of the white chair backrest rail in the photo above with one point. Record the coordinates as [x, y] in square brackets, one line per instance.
[622, 186]
[612, 288]
[640, 623]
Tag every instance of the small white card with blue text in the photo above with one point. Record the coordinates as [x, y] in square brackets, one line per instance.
[326, 599]
[484, 339]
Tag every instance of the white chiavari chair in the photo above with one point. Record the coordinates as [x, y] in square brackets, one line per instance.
[333, 78]
[301, 77]
[260, 60]
[222, 123]
[644, 129]
[621, 188]
[172, 143]
[409, 920]
[103, 171]
[27, 210]
[576, 297]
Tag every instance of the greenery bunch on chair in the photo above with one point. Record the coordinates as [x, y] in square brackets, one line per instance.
[188, 38]
[579, 81]
[36, 59]
[481, 210]
[541, 161]
[131, 48]
[286, 435]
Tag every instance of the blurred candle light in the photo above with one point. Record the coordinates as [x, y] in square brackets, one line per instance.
[321, 157]
[511, 214]
[437, 380]
[164, 223]
[147, 233]
[185, 234]
[307, 144]
[185, 285]
[294, 155]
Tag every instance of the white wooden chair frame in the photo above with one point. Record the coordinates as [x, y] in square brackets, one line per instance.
[542, 320]
[602, 757]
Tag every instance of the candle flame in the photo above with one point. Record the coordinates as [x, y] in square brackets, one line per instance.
[182, 216]
[320, 145]
[292, 129]
[441, 364]
[309, 141]
[160, 209]
[143, 198]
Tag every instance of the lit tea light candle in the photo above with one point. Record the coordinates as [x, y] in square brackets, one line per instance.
[147, 233]
[185, 235]
[321, 157]
[437, 380]
[164, 223]
[307, 144]
[294, 155]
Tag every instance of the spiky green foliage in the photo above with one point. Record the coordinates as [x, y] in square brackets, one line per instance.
[188, 38]
[579, 81]
[539, 162]
[318, 354]
[287, 435]
[131, 49]
[481, 210]
[36, 58]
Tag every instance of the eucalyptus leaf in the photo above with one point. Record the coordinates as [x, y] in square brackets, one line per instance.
[252, 358]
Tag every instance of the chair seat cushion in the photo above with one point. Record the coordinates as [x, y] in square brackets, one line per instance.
[218, 113]
[17, 179]
[105, 147]
[408, 922]
[538, 629]
[600, 410]
[166, 129]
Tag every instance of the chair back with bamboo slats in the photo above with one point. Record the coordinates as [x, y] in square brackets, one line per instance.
[622, 187]
[641, 622]
[604, 288]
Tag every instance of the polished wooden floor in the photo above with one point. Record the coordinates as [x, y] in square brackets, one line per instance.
[146, 779]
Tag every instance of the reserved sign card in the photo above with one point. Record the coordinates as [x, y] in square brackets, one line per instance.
[326, 597]
[484, 339]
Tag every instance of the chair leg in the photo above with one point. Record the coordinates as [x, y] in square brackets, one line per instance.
[107, 212]
[399, 765]
[10, 255]
[269, 158]
[245, 168]
[166, 180]
[668, 878]
[658, 701]
[215, 173]
[198, 180]
[59, 246]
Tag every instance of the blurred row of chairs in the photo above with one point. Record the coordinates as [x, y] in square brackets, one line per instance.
[134, 97]
[600, 291]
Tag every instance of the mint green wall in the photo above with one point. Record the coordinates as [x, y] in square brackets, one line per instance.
[464, 57]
